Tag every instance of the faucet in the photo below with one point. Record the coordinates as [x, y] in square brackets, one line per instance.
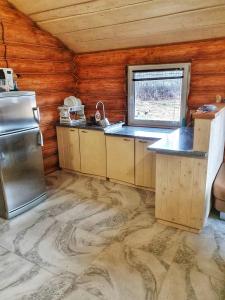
[104, 121]
[103, 107]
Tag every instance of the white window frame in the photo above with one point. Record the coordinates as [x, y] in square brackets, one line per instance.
[184, 95]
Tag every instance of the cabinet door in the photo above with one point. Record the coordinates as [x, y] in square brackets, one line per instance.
[21, 168]
[93, 152]
[180, 190]
[144, 164]
[68, 148]
[120, 158]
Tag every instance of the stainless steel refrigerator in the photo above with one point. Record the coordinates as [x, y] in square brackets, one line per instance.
[22, 183]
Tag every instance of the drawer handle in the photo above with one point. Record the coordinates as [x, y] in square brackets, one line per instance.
[84, 131]
[72, 130]
[126, 140]
[143, 142]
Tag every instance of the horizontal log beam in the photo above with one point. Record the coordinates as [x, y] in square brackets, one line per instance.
[29, 51]
[26, 66]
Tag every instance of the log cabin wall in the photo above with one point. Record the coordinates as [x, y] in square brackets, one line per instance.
[102, 75]
[43, 64]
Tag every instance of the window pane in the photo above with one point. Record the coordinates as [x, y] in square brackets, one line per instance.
[158, 95]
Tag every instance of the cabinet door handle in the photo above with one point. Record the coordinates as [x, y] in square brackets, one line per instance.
[126, 140]
[143, 142]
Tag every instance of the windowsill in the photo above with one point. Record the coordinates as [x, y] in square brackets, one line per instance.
[154, 126]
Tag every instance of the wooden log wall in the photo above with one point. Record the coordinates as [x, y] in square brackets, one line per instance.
[43, 64]
[47, 67]
[102, 75]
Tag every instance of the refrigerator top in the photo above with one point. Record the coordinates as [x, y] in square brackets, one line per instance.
[16, 94]
[18, 112]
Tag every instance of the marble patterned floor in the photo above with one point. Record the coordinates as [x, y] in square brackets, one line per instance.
[93, 239]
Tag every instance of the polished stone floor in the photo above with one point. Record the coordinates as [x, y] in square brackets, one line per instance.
[94, 239]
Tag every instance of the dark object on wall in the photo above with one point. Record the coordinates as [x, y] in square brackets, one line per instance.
[207, 108]
[2, 75]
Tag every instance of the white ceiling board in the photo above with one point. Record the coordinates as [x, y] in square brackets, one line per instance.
[156, 39]
[34, 6]
[84, 9]
[94, 25]
[188, 21]
[122, 15]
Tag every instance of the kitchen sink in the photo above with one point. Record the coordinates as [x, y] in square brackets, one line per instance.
[109, 127]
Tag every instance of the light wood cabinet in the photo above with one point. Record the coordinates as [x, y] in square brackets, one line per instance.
[120, 158]
[180, 190]
[68, 148]
[145, 166]
[93, 152]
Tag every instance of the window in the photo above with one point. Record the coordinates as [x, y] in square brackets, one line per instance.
[157, 94]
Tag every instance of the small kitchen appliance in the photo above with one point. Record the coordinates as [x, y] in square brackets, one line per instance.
[72, 112]
[6, 79]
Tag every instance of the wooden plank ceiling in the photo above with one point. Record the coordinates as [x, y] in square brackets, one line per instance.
[95, 25]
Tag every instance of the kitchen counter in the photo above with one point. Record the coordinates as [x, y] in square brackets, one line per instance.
[179, 142]
[187, 163]
[114, 126]
[117, 129]
[167, 141]
[140, 132]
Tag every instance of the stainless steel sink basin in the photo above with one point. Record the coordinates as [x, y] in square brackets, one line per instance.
[109, 127]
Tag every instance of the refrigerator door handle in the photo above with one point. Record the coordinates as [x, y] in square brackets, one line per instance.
[40, 139]
[37, 116]
[2, 156]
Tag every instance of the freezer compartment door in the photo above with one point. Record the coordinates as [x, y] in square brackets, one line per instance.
[18, 112]
[21, 166]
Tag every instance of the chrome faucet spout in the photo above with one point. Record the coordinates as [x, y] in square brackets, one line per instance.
[103, 107]
[104, 122]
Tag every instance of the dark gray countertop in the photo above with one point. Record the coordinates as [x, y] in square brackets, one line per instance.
[114, 126]
[117, 129]
[80, 126]
[180, 142]
[140, 132]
